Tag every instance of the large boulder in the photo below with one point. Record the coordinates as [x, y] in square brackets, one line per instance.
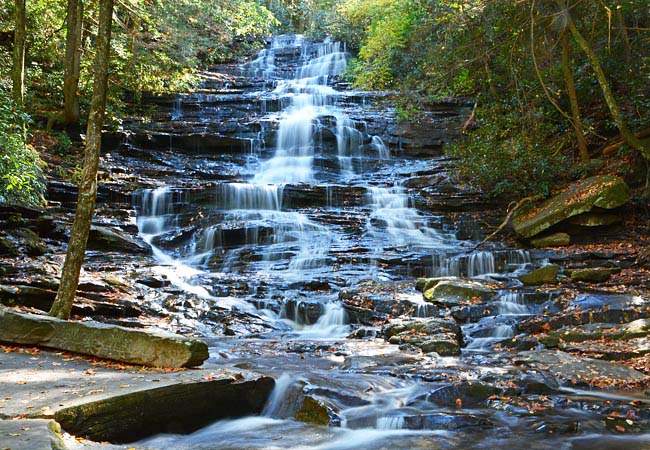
[430, 335]
[605, 192]
[103, 341]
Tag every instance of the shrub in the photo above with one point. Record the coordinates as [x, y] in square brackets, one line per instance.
[21, 175]
[509, 156]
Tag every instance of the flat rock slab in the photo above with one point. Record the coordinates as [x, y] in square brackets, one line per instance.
[86, 398]
[176, 408]
[35, 434]
[100, 340]
[572, 370]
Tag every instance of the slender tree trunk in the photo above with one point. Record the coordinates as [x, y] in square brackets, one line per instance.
[71, 113]
[626, 37]
[642, 146]
[18, 71]
[573, 98]
[88, 184]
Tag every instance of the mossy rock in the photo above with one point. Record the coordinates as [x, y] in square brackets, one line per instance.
[471, 393]
[591, 275]
[7, 247]
[101, 340]
[551, 240]
[429, 335]
[604, 191]
[316, 412]
[424, 284]
[452, 292]
[543, 275]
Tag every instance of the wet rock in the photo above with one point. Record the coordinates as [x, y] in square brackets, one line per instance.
[364, 333]
[176, 408]
[551, 240]
[153, 282]
[375, 303]
[424, 284]
[430, 335]
[449, 422]
[587, 309]
[103, 341]
[35, 434]
[316, 412]
[32, 242]
[456, 292]
[8, 248]
[303, 312]
[572, 370]
[591, 275]
[111, 240]
[543, 275]
[606, 192]
[602, 340]
[471, 394]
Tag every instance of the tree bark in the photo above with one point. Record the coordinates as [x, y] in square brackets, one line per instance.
[630, 139]
[573, 99]
[18, 71]
[88, 184]
[626, 38]
[71, 113]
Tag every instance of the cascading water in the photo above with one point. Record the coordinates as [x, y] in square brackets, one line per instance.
[310, 205]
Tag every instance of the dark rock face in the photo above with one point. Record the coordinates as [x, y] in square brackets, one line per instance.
[111, 240]
[177, 408]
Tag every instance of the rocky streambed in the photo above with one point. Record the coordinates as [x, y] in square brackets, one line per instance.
[306, 235]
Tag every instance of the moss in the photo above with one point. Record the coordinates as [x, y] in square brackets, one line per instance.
[456, 291]
[595, 275]
[605, 191]
[543, 275]
[313, 411]
[8, 248]
[551, 240]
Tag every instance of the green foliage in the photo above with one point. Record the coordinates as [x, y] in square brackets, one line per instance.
[21, 175]
[509, 154]
[508, 56]
[157, 45]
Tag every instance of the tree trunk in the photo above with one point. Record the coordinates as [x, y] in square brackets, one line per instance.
[88, 184]
[18, 71]
[630, 139]
[72, 62]
[626, 38]
[573, 99]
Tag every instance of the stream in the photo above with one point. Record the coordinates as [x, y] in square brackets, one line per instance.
[306, 199]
